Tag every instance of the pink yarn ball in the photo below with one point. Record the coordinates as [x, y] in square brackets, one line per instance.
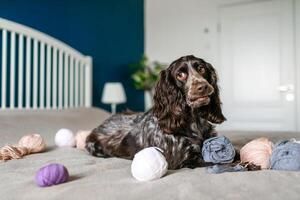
[257, 152]
[81, 138]
[33, 142]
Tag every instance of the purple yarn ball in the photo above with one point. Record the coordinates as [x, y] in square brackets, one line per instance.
[51, 174]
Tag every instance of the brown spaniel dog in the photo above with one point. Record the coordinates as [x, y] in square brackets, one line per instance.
[186, 102]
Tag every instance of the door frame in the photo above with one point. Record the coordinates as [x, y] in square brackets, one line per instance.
[297, 58]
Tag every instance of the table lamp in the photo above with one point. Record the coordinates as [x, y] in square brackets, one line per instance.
[113, 93]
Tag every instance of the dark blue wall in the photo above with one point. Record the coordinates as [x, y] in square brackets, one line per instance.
[111, 31]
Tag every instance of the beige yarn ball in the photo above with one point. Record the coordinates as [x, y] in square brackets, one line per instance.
[257, 152]
[81, 138]
[33, 142]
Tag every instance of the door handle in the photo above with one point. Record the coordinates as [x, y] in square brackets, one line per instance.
[289, 90]
[286, 88]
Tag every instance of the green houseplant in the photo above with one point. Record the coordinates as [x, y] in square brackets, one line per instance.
[145, 75]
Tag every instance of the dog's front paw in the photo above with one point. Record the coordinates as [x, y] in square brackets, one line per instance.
[196, 149]
[194, 156]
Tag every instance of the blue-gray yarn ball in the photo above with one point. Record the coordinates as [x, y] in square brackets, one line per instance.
[286, 156]
[218, 150]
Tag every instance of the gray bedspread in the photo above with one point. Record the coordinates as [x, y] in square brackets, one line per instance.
[97, 178]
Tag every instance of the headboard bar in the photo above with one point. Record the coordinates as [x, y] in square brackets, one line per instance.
[39, 71]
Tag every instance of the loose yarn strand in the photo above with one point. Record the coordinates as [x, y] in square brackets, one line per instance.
[9, 152]
[32, 143]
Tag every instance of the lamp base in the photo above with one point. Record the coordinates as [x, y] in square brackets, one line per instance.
[113, 108]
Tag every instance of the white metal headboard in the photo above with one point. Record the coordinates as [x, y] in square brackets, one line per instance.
[39, 71]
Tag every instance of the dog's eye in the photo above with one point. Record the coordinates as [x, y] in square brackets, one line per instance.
[182, 76]
[201, 69]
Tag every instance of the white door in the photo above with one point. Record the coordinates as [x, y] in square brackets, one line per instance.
[257, 66]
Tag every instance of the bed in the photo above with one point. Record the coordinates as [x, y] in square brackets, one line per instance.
[62, 99]
[98, 178]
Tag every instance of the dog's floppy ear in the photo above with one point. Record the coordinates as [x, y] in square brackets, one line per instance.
[169, 103]
[213, 112]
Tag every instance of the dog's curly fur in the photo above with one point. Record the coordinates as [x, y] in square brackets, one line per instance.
[186, 100]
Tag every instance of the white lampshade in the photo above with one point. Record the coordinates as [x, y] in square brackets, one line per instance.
[113, 93]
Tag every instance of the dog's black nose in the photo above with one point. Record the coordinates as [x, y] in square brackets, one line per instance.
[202, 88]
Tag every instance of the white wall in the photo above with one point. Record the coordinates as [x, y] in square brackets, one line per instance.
[174, 28]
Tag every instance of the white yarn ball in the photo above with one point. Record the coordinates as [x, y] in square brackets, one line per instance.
[149, 164]
[65, 138]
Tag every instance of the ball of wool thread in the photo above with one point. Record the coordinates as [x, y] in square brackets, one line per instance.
[286, 156]
[81, 138]
[149, 164]
[257, 152]
[218, 150]
[34, 142]
[51, 174]
[64, 138]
